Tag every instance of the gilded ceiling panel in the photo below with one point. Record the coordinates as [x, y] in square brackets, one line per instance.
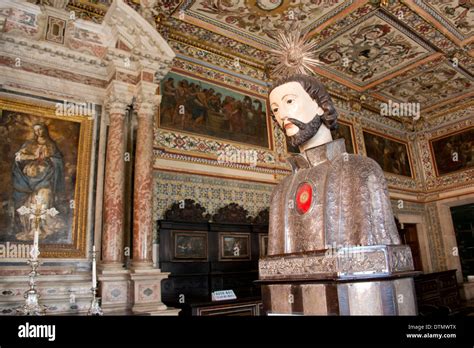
[431, 86]
[374, 47]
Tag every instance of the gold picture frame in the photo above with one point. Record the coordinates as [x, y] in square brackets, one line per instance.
[190, 246]
[65, 155]
[234, 246]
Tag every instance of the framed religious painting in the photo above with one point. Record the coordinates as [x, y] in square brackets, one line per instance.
[45, 164]
[393, 155]
[344, 130]
[234, 246]
[453, 152]
[206, 108]
[189, 246]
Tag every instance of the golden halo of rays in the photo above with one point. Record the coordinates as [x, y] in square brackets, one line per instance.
[295, 53]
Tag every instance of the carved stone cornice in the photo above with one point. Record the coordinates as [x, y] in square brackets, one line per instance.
[149, 48]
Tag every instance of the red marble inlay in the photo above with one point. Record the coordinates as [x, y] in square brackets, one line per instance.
[304, 198]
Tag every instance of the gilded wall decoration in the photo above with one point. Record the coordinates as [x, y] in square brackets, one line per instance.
[219, 43]
[435, 240]
[218, 59]
[219, 76]
[450, 115]
[46, 160]
[197, 106]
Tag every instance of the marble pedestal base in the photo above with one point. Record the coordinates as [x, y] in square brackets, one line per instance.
[147, 292]
[115, 290]
[373, 297]
[372, 280]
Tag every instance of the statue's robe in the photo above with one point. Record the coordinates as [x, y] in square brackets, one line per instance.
[333, 199]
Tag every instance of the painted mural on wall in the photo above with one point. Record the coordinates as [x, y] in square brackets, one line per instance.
[40, 167]
[390, 154]
[199, 107]
[453, 152]
[343, 131]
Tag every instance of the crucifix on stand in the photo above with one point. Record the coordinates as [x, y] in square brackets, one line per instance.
[37, 212]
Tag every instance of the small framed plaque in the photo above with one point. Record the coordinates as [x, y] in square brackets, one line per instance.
[223, 295]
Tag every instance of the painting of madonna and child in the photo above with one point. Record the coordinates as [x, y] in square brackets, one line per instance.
[38, 171]
[203, 108]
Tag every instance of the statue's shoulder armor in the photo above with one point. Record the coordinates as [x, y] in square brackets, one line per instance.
[361, 165]
[281, 186]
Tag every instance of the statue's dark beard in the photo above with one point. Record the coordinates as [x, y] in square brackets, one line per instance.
[306, 132]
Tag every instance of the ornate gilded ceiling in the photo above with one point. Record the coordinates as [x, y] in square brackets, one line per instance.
[372, 50]
[254, 21]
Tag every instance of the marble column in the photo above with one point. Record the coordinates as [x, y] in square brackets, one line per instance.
[143, 186]
[112, 238]
[115, 285]
[146, 279]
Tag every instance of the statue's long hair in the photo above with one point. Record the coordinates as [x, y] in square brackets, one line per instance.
[317, 92]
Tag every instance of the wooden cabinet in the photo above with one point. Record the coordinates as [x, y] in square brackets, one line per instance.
[437, 290]
[203, 257]
[245, 307]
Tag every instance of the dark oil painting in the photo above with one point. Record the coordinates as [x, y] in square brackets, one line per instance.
[391, 155]
[454, 152]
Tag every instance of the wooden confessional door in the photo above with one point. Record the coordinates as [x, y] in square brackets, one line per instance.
[409, 237]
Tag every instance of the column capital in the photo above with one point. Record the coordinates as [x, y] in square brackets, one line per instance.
[118, 97]
[147, 101]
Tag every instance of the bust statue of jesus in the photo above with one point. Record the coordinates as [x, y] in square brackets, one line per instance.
[332, 199]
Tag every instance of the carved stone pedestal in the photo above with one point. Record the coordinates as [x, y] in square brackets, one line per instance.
[372, 280]
[147, 292]
[115, 290]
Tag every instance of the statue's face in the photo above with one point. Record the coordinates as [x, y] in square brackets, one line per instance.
[291, 104]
